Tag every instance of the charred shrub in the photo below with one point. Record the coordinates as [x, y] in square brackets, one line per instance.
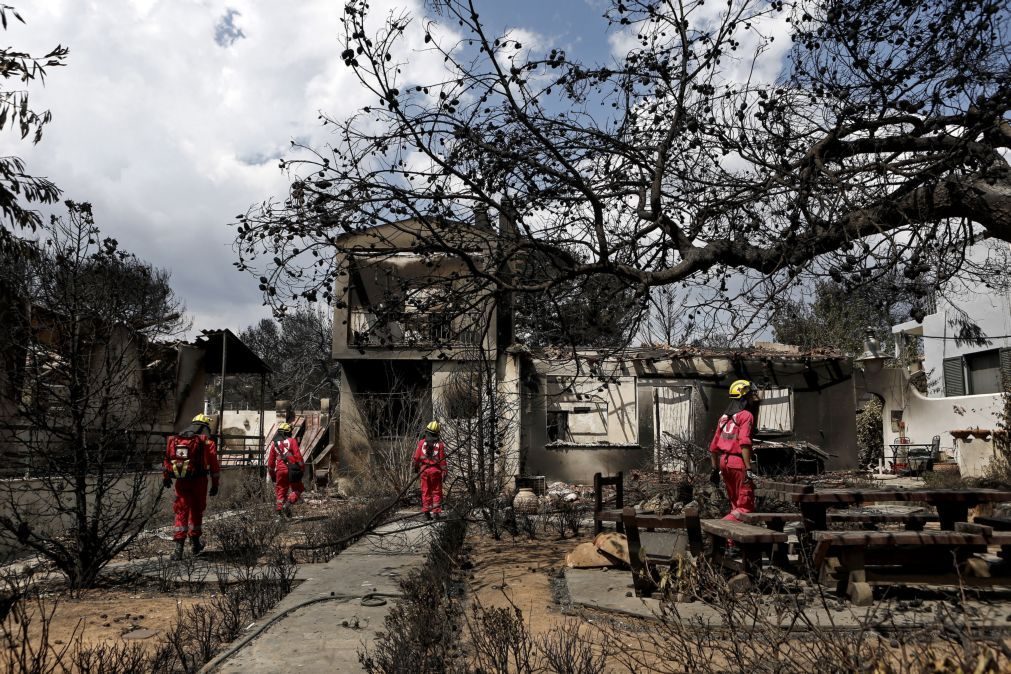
[327, 536]
[246, 538]
[421, 631]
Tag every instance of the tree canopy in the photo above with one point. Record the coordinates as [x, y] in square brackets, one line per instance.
[19, 189]
[838, 317]
[710, 156]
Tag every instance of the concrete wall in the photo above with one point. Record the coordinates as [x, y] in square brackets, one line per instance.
[925, 417]
[36, 502]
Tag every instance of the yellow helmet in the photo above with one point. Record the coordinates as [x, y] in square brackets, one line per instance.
[284, 426]
[433, 426]
[202, 419]
[740, 388]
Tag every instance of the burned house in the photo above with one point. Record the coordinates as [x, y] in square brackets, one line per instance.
[586, 413]
[420, 335]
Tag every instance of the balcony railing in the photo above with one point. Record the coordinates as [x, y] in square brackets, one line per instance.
[413, 330]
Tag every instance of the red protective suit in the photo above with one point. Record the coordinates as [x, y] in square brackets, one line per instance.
[732, 433]
[430, 463]
[285, 453]
[190, 459]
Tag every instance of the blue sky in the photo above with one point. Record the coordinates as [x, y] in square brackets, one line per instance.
[171, 114]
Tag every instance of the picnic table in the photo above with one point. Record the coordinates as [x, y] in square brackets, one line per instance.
[945, 553]
[952, 504]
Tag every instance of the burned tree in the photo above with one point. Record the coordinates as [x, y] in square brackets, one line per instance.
[298, 350]
[733, 151]
[87, 389]
[479, 411]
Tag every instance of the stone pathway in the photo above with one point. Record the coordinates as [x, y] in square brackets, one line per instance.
[322, 624]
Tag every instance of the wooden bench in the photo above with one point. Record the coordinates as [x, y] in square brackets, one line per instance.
[912, 521]
[993, 536]
[853, 551]
[775, 522]
[614, 515]
[643, 580]
[995, 523]
[778, 521]
[751, 540]
[780, 490]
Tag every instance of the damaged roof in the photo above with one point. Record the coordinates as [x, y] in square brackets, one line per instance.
[758, 351]
[238, 358]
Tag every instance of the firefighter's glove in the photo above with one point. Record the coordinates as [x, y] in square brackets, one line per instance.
[214, 490]
[714, 477]
[749, 476]
[273, 477]
[167, 483]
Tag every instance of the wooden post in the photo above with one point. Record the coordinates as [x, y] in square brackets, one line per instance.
[693, 527]
[642, 581]
[263, 440]
[221, 392]
[598, 503]
[619, 500]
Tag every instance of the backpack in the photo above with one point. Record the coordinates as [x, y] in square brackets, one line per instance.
[185, 455]
[295, 470]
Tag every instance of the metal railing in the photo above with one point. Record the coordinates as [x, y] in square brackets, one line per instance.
[144, 452]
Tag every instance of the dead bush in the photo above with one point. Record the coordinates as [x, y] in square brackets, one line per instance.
[26, 616]
[421, 631]
[24, 629]
[109, 658]
[246, 538]
[568, 650]
[202, 630]
[199, 633]
[251, 490]
[499, 640]
[566, 516]
[325, 537]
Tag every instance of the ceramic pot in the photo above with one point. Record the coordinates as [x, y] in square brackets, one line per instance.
[525, 501]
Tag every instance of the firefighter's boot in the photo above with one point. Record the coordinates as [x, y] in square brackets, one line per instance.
[198, 547]
[177, 556]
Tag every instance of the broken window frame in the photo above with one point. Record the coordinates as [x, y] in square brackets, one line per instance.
[557, 426]
[765, 394]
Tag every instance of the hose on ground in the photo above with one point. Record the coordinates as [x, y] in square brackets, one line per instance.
[220, 658]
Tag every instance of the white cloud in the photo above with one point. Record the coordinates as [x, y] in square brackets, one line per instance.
[170, 117]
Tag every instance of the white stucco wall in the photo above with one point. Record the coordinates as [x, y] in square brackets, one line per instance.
[926, 417]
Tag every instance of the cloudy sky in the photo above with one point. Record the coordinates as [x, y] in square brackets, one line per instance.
[171, 115]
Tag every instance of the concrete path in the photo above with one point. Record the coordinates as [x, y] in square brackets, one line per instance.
[611, 590]
[322, 624]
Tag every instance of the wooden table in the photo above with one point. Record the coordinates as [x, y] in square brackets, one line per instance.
[952, 504]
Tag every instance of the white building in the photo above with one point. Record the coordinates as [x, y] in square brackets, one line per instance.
[967, 368]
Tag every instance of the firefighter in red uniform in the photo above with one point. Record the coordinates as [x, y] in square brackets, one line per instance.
[190, 458]
[731, 449]
[286, 469]
[430, 463]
